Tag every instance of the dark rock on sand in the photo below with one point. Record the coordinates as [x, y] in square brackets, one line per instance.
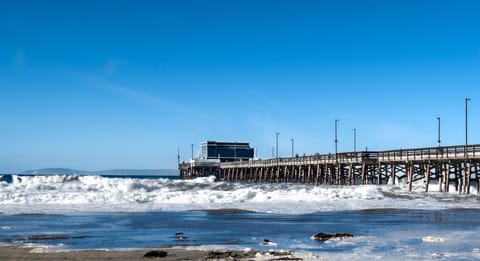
[324, 237]
[156, 253]
[220, 254]
[279, 253]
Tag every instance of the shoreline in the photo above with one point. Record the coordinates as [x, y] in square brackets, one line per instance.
[171, 254]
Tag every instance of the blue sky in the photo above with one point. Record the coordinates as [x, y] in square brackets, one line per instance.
[121, 84]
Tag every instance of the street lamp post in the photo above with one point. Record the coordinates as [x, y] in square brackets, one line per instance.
[354, 140]
[292, 146]
[438, 139]
[466, 124]
[178, 155]
[336, 140]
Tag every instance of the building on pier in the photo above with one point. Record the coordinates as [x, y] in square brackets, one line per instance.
[226, 151]
[212, 154]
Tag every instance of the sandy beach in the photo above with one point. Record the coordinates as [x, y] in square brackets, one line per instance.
[23, 253]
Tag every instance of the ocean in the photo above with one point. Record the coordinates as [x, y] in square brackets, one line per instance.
[72, 212]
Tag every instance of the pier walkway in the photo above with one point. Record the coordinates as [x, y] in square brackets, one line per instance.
[444, 166]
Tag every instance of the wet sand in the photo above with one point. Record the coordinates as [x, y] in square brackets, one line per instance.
[21, 253]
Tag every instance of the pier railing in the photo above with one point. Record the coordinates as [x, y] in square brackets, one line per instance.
[415, 154]
[432, 153]
[343, 158]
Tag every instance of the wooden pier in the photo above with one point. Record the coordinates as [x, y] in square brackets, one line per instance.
[442, 166]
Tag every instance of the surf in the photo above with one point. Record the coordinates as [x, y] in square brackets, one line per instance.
[93, 193]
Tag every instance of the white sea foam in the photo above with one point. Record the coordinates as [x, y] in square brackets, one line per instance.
[43, 248]
[64, 193]
[433, 239]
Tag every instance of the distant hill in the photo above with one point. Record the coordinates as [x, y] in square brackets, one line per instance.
[139, 172]
[55, 171]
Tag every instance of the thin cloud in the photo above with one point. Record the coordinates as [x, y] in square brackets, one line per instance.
[133, 94]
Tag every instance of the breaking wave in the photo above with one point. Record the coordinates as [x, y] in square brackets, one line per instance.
[72, 193]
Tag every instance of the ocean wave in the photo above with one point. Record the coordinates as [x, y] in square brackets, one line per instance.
[73, 193]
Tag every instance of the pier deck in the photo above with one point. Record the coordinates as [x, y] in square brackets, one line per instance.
[451, 165]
